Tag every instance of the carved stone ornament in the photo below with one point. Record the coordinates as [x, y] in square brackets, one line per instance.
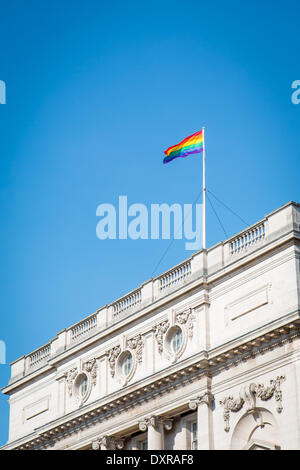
[112, 355]
[118, 444]
[108, 443]
[71, 374]
[91, 368]
[230, 404]
[249, 394]
[159, 331]
[186, 318]
[206, 399]
[155, 421]
[264, 393]
[137, 344]
[96, 444]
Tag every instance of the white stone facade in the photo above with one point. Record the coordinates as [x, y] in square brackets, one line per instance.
[205, 356]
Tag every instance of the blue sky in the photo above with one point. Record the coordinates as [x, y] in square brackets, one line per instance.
[95, 92]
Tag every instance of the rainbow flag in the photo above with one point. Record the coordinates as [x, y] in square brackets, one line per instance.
[189, 145]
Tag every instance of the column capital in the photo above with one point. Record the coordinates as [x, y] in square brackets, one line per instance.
[108, 442]
[118, 443]
[96, 444]
[206, 398]
[155, 421]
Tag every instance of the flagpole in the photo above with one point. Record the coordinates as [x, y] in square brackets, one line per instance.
[203, 198]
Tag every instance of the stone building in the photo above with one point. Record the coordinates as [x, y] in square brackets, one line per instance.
[205, 356]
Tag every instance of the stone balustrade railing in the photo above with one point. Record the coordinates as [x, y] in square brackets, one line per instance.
[175, 276]
[84, 327]
[127, 302]
[247, 238]
[39, 356]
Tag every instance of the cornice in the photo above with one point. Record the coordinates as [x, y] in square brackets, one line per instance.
[254, 335]
[258, 372]
[217, 290]
[206, 364]
[252, 257]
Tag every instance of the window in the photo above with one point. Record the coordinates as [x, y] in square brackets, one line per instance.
[176, 340]
[194, 440]
[125, 367]
[82, 385]
[127, 364]
[143, 445]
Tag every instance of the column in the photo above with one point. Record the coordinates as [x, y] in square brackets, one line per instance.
[203, 404]
[155, 426]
